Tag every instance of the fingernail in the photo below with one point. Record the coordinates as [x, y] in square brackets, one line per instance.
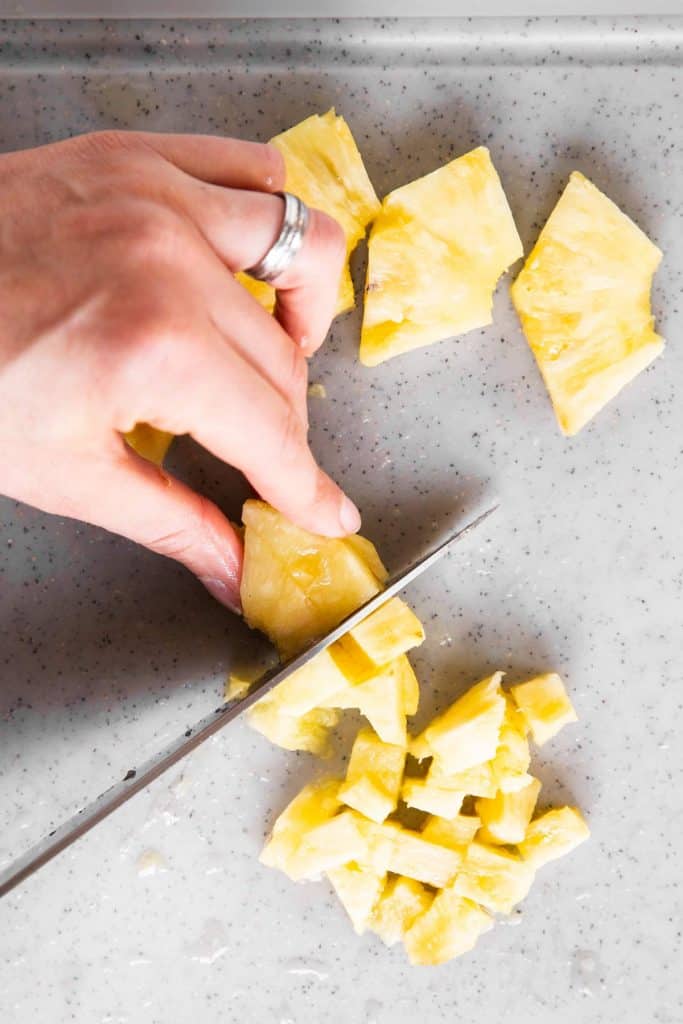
[222, 592]
[349, 516]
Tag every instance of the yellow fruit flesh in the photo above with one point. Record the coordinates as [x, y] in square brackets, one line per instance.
[450, 927]
[544, 705]
[359, 888]
[329, 845]
[150, 443]
[401, 903]
[510, 765]
[433, 799]
[467, 734]
[553, 835]
[386, 634]
[584, 301]
[373, 778]
[496, 879]
[308, 687]
[309, 732]
[506, 816]
[436, 251]
[456, 833]
[391, 847]
[381, 700]
[315, 804]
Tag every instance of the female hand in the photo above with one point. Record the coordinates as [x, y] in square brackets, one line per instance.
[117, 254]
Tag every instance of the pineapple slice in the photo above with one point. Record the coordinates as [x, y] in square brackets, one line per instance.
[456, 833]
[510, 766]
[554, 834]
[325, 169]
[545, 706]
[467, 733]
[315, 804]
[381, 699]
[359, 888]
[391, 847]
[584, 301]
[447, 929]
[506, 816]
[401, 903]
[150, 443]
[426, 796]
[295, 585]
[386, 634]
[493, 877]
[373, 779]
[329, 845]
[309, 732]
[436, 251]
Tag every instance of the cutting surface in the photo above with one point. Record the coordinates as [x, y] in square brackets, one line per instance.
[108, 652]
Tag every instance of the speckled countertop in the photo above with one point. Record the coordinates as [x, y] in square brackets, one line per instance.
[163, 914]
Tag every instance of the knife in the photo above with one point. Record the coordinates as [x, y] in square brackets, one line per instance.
[137, 779]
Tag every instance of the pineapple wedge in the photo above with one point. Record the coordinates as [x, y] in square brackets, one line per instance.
[456, 833]
[296, 585]
[359, 888]
[391, 847]
[553, 835]
[329, 845]
[386, 634]
[315, 804]
[506, 816]
[401, 903]
[545, 706]
[584, 301]
[450, 927]
[373, 779]
[493, 877]
[150, 443]
[381, 699]
[436, 251]
[309, 732]
[325, 169]
[467, 733]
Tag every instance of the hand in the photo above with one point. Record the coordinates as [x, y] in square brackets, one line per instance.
[117, 253]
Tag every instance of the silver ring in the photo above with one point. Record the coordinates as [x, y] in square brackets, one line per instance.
[282, 252]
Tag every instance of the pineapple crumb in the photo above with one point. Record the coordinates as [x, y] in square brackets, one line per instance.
[317, 391]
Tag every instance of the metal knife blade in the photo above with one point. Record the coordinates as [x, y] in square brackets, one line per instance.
[138, 779]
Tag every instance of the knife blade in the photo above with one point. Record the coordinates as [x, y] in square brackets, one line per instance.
[138, 779]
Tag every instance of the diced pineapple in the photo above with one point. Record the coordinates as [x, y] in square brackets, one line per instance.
[373, 779]
[381, 700]
[309, 686]
[506, 816]
[430, 797]
[553, 835]
[450, 927]
[510, 765]
[544, 703]
[402, 901]
[237, 685]
[358, 887]
[436, 251]
[455, 833]
[475, 781]
[309, 732]
[391, 847]
[584, 301]
[295, 585]
[315, 804]
[389, 632]
[150, 443]
[493, 877]
[329, 845]
[325, 169]
[467, 733]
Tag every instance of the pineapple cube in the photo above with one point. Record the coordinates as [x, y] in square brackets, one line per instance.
[150, 443]
[475, 781]
[373, 779]
[510, 765]
[387, 633]
[428, 796]
[436, 251]
[329, 845]
[544, 703]
[391, 847]
[309, 732]
[493, 877]
[455, 833]
[450, 927]
[401, 903]
[467, 733]
[315, 804]
[381, 700]
[506, 816]
[309, 686]
[295, 585]
[325, 169]
[584, 301]
[554, 834]
[359, 888]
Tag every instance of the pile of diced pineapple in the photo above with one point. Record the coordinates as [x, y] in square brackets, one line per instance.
[467, 772]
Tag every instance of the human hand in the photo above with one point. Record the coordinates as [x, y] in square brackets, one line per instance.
[117, 253]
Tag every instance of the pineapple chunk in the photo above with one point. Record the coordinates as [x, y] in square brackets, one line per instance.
[554, 834]
[493, 877]
[467, 733]
[436, 251]
[389, 632]
[329, 845]
[373, 779]
[544, 703]
[401, 903]
[295, 585]
[325, 169]
[434, 799]
[359, 888]
[309, 686]
[237, 685]
[510, 765]
[150, 443]
[309, 732]
[315, 804]
[475, 781]
[381, 700]
[506, 816]
[391, 847]
[263, 293]
[584, 301]
[447, 929]
[456, 833]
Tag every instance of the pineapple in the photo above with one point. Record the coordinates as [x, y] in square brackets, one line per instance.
[545, 706]
[315, 804]
[584, 301]
[510, 765]
[295, 585]
[467, 733]
[381, 700]
[263, 292]
[401, 903]
[325, 169]
[373, 779]
[359, 888]
[456, 833]
[238, 685]
[309, 686]
[493, 877]
[554, 834]
[386, 634]
[434, 799]
[447, 929]
[309, 732]
[150, 443]
[329, 845]
[436, 251]
[506, 816]
[475, 781]
[391, 847]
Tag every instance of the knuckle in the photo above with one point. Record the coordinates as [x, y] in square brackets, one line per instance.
[104, 142]
[274, 167]
[297, 382]
[330, 236]
[291, 436]
[182, 542]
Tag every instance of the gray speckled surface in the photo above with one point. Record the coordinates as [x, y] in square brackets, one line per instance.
[163, 913]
